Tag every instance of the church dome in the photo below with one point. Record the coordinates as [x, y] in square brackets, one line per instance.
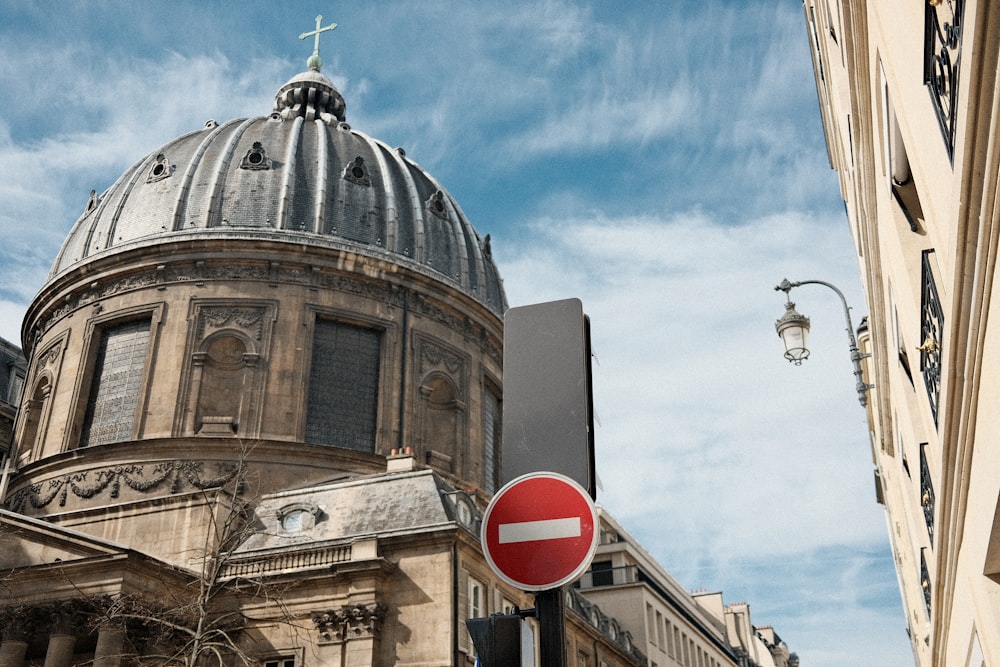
[300, 175]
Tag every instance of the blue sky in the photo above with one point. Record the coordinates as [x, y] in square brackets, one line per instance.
[663, 162]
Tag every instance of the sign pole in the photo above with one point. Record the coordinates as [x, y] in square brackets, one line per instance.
[550, 609]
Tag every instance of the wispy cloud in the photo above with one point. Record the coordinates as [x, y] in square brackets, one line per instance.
[663, 162]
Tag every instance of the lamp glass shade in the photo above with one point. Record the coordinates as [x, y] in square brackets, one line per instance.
[793, 327]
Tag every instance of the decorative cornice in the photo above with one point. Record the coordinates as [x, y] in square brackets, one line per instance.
[199, 272]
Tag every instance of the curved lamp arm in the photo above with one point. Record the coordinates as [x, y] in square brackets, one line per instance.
[856, 355]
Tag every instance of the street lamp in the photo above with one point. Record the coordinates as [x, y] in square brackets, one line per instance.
[793, 328]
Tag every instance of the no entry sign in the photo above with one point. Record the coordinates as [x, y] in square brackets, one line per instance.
[540, 531]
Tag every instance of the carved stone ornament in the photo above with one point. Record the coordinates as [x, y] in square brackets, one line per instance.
[62, 617]
[48, 358]
[160, 169]
[357, 172]
[437, 206]
[437, 357]
[350, 622]
[248, 320]
[138, 477]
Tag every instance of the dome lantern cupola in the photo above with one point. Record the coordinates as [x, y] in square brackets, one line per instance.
[311, 95]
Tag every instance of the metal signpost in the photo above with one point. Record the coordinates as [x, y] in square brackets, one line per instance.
[541, 530]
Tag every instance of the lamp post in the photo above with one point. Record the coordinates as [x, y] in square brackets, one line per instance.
[793, 328]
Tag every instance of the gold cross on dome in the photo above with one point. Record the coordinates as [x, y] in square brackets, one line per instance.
[315, 62]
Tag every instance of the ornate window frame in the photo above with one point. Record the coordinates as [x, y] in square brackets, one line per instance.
[96, 325]
[926, 493]
[925, 581]
[249, 320]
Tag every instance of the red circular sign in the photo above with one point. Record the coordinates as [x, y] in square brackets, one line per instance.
[540, 531]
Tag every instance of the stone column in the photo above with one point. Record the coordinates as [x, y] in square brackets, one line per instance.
[14, 645]
[62, 634]
[12, 651]
[110, 646]
[60, 651]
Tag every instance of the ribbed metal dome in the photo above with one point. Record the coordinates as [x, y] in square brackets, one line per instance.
[301, 175]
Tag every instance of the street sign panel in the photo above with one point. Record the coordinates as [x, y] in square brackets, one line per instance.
[547, 398]
[540, 531]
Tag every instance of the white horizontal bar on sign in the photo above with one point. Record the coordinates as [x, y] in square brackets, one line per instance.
[547, 529]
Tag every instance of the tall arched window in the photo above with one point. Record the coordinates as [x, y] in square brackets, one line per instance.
[492, 419]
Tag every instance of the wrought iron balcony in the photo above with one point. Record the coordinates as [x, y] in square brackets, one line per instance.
[942, 58]
[931, 329]
[927, 493]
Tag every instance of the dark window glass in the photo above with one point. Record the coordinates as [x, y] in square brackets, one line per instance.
[602, 573]
[114, 390]
[343, 386]
[491, 440]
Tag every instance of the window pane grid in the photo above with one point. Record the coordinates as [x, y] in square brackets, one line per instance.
[114, 394]
[343, 386]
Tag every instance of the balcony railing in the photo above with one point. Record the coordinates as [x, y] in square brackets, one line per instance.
[925, 581]
[942, 58]
[931, 329]
[615, 576]
[927, 493]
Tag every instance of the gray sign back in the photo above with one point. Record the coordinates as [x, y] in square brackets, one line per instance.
[547, 397]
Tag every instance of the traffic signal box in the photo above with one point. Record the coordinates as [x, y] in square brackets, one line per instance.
[498, 640]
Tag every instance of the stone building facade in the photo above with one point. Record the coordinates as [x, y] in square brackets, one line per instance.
[910, 101]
